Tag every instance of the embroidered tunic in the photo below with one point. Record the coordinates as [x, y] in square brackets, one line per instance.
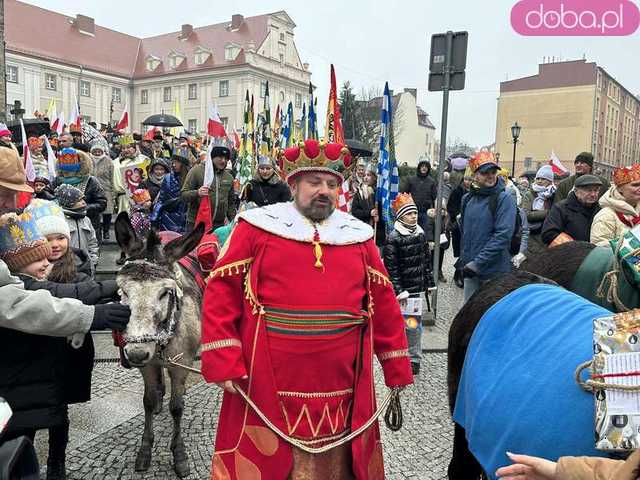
[300, 309]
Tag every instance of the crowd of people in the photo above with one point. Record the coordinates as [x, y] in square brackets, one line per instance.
[50, 246]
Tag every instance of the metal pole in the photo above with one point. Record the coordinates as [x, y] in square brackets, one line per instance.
[443, 148]
[513, 163]
[3, 66]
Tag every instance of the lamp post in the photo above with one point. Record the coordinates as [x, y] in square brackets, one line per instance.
[515, 134]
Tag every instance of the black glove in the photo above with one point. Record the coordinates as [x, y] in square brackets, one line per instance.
[110, 316]
[468, 272]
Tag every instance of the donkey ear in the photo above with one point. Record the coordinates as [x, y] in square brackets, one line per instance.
[126, 235]
[179, 247]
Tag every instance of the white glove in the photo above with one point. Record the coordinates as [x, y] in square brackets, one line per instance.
[518, 259]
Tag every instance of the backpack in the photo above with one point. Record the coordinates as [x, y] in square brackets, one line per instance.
[516, 238]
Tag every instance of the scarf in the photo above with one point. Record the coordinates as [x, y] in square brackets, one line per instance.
[543, 194]
[628, 220]
[73, 180]
[156, 179]
[406, 229]
[75, 214]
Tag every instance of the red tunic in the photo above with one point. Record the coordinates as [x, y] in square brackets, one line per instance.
[305, 336]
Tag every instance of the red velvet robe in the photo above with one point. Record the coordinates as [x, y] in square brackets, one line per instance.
[305, 336]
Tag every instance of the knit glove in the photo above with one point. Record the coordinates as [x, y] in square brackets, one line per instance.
[110, 316]
[518, 259]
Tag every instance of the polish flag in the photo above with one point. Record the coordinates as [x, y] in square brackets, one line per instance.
[124, 119]
[58, 124]
[151, 131]
[74, 118]
[28, 161]
[215, 127]
[236, 138]
[556, 165]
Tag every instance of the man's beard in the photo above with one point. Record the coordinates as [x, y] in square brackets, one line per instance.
[317, 212]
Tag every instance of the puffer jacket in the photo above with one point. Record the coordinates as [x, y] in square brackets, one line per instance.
[607, 225]
[486, 238]
[407, 259]
[422, 188]
[592, 468]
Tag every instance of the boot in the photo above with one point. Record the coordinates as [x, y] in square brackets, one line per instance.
[106, 225]
[441, 277]
[122, 259]
[56, 462]
[457, 278]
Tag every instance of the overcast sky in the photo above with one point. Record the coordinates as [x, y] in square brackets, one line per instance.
[373, 41]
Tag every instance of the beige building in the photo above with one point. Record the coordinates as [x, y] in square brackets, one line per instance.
[52, 56]
[568, 107]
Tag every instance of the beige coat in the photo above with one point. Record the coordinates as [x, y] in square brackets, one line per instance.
[591, 468]
[606, 225]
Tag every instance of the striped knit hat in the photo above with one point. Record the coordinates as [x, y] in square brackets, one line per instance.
[20, 241]
[404, 204]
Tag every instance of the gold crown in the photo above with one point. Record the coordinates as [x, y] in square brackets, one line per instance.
[624, 175]
[481, 158]
[402, 200]
[141, 195]
[315, 155]
[126, 139]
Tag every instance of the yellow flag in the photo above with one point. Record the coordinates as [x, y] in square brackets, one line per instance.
[175, 131]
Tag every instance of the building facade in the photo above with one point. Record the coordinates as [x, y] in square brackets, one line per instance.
[568, 107]
[65, 58]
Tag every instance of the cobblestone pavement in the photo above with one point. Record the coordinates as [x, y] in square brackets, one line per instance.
[107, 438]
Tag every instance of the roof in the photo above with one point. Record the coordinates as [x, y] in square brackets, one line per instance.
[115, 53]
[555, 75]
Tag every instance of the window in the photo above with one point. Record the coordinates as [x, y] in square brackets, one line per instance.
[263, 89]
[167, 94]
[281, 97]
[12, 74]
[85, 88]
[298, 100]
[116, 95]
[50, 81]
[224, 88]
[144, 96]
[282, 58]
[527, 162]
[192, 125]
[193, 91]
[282, 37]
[10, 115]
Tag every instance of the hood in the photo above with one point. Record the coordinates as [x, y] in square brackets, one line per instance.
[82, 260]
[420, 163]
[86, 165]
[614, 200]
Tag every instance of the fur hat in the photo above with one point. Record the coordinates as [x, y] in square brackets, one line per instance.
[49, 217]
[20, 241]
[68, 195]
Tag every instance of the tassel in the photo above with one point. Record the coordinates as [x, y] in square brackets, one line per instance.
[317, 249]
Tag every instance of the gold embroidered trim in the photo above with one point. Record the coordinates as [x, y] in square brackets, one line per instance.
[324, 439]
[337, 393]
[250, 296]
[393, 354]
[378, 277]
[341, 416]
[241, 266]
[227, 342]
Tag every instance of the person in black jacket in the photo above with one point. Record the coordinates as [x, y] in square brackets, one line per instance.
[407, 259]
[424, 190]
[571, 218]
[454, 206]
[266, 188]
[365, 207]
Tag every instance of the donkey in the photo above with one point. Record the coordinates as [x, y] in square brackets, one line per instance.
[165, 304]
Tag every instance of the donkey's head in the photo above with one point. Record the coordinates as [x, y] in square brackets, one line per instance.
[150, 284]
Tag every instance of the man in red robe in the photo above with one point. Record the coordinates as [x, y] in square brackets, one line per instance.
[295, 308]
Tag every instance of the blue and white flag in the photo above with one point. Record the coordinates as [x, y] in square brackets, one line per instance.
[388, 178]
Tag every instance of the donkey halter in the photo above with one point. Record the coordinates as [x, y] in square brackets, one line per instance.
[167, 327]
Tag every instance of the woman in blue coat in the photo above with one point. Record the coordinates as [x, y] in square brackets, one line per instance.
[169, 211]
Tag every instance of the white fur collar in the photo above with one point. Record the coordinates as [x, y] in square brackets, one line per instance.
[284, 220]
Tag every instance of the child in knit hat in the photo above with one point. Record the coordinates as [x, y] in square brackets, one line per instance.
[22, 247]
[408, 261]
[82, 234]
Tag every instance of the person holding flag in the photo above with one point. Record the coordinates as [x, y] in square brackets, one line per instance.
[218, 189]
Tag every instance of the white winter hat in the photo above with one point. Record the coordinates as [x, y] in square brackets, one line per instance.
[545, 172]
[49, 217]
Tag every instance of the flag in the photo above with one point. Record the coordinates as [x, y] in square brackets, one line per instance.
[74, 118]
[312, 129]
[303, 123]
[288, 136]
[334, 132]
[58, 125]
[246, 148]
[204, 209]
[51, 160]
[345, 196]
[267, 137]
[215, 127]
[556, 165]
[52, 113]
[175, 131]
[124, 119]
[388, 178]
[29, 170]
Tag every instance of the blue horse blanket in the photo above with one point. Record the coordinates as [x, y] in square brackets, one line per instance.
[517, 391]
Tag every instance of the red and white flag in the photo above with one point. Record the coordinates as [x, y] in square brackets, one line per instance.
[58, 124]
[556, 165]
[74, 118]
[236, 138]
[26, 154]
[124, 119]
[215, 127]
[345, 196]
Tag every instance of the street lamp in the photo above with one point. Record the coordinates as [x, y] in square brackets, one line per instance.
[515, 134]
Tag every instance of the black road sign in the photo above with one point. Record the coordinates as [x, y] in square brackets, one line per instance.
[457, 62]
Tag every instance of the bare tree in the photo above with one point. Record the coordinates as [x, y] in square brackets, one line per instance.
[368, 116]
